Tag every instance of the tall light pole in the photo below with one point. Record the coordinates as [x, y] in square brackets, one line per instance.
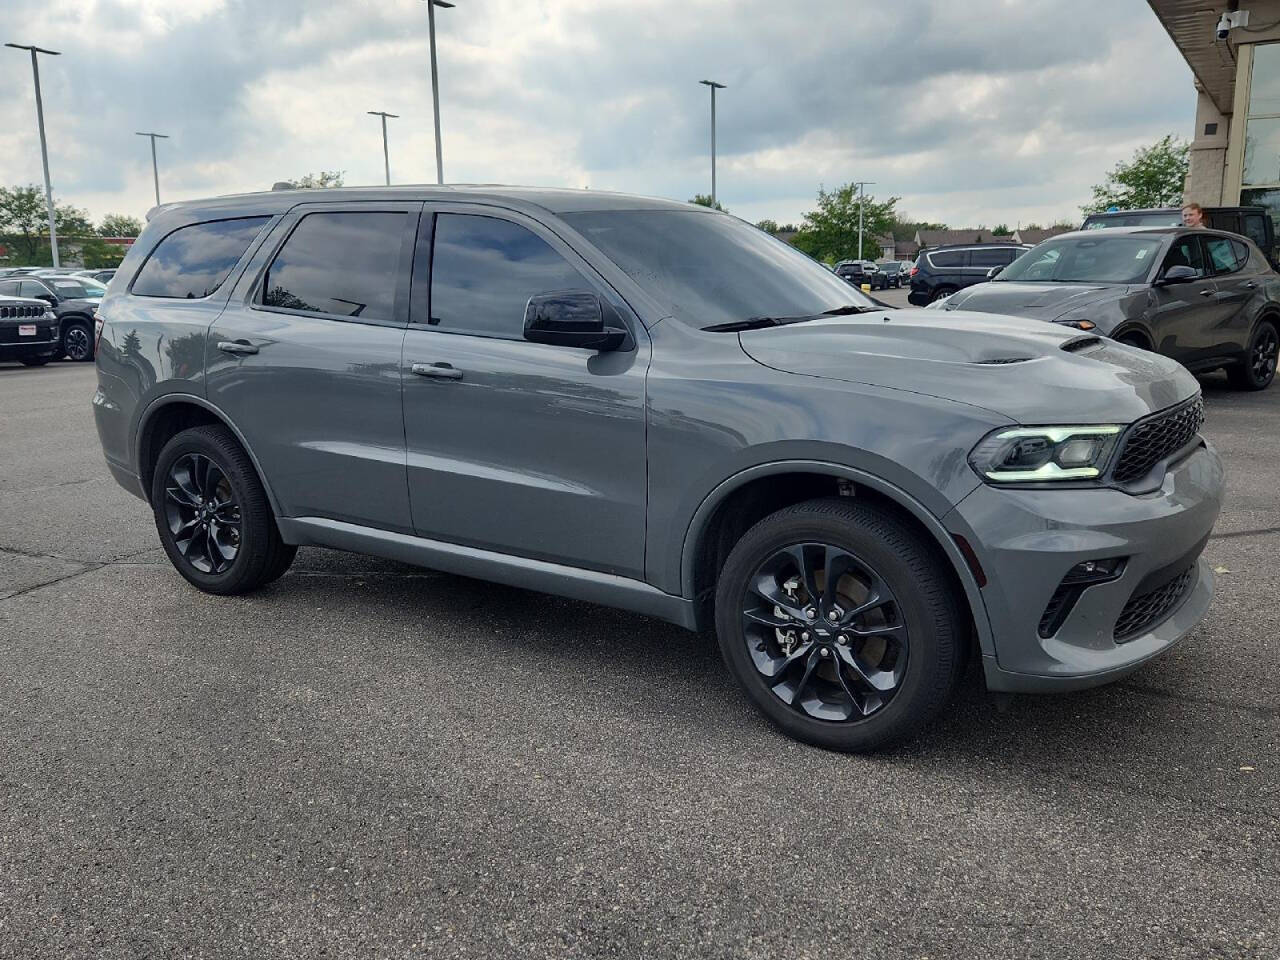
[435, 80]
[155, 168]
[714, 87]
[44, 148]
[862, 190]
[386, 157]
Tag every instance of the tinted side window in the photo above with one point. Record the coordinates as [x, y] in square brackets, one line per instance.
[948, 258]
[1255, 229]
[338, 263]
[1186, 253]
[33, 288]
[1242, 253]
[1222, 256]
[9, 288]
[484, 270]
[989, 258]
[193, 261]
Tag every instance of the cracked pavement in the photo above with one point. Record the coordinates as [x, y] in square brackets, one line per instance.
[368, 759]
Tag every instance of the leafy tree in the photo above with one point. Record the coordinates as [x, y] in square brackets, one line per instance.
[1154, 177]
[831, 231]
[906, 229]
[319, 181]
[119, 225]
[768, 226]
[1001, 230]
[704, 200]
[23, 218]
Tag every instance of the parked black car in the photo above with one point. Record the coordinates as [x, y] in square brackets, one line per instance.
[28, 331]
[1208, 299]
[891, 274]
[941, 271]
[857, 272]
[72, 303]
[1252, 222]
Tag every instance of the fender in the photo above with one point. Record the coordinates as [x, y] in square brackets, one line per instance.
[154, 407]
[973, 593]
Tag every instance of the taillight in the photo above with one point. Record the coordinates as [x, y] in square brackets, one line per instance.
[914, 270]
[98, 323]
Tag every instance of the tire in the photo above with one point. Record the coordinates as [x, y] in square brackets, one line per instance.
[77, 341]
[1133, 340]
[233, 549]
[923, 611]
[1257, 367]
[941, 292]
[34, 361]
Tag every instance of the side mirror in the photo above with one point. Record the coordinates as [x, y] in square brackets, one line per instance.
[1177, 274]
[571, 318]
[994, 272]
[48, 298]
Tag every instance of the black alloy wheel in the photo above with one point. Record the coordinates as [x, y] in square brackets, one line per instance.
[1257, 368]
[77, 342]
[825, 632]
[203, 513]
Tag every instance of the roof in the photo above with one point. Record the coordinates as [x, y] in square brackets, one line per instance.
[553, 199]
[1039, 235]
[966, 235]
[1191, 25]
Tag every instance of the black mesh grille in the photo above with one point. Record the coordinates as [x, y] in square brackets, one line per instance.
[18, 313]
[1145, 611]
[1157, 437]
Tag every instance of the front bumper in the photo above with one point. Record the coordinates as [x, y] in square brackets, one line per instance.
[1027, 541]
[41, 346]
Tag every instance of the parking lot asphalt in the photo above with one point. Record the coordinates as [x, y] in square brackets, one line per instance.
[368, 759]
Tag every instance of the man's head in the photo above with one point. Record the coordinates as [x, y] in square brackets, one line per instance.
[1193, 215]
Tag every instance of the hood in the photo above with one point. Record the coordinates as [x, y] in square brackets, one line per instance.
[1043, 301]
[1022, 369]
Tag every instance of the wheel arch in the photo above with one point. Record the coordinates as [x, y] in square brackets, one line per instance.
[1134, 329]
[748, 496]
[173, 413]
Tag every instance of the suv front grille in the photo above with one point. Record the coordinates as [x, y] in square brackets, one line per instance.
[21, 312]
[1151, 440]
[1146, 611]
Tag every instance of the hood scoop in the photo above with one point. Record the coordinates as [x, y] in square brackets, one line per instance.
[1081, 343]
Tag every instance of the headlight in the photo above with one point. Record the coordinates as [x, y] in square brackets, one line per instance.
[50, 315]
[1045, 454]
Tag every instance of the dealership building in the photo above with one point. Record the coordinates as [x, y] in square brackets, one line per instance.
[1233, 50]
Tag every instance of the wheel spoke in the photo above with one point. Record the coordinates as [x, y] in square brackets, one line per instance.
[791, 694]
[768, 618]
[806, 564]
[181, 497]
[766, 585]
[877, 681]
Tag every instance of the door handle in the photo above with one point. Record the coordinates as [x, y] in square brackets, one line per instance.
[440, 371]
[237, 346]
[1206, 293]
[1251, 284]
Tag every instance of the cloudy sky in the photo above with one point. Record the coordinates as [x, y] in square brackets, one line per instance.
[980, 112]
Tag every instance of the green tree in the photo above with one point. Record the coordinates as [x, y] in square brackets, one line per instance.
[768, 226]
[1154, 177]
[23, 218]
[704, 200]
[319, 181]
[119, 225]
[831, 231]
[1001, 230]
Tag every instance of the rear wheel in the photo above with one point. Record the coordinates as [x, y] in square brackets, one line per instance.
[1257, 368]
[213, 516]
[941, 292]
[841, 624]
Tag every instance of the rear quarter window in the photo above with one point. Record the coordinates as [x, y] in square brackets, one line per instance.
[193, 261]
[949, 258]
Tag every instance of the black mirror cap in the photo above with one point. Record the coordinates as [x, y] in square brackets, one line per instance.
[994, 272]
[47, 298]
[572, 318]
[1177, 274]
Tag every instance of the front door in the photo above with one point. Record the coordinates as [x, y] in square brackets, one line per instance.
[528, 449]
[1183, 314]
[306, 360]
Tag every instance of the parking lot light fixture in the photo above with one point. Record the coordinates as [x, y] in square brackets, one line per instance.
[155, 169]
[386, 157]
[714, 87]
[44, 148]
[435, 81]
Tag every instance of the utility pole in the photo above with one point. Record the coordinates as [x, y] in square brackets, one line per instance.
[155, 169]
[386, 157]
[862, 190]
[714, 87]
[44, 148]
[435, 80]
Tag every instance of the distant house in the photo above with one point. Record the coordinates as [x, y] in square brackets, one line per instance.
[905, 249]
[938, 238]
[1033, 236]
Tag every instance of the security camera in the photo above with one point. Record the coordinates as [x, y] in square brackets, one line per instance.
[1230, 20]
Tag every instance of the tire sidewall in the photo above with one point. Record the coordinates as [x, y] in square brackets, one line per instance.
[196, 442]
[884, 725]
[1259, 331]
[88, 332]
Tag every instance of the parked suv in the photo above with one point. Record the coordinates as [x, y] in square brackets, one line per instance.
[657, 406]
[28, 331]
[941, 271]
[72, 300]
[858, 272]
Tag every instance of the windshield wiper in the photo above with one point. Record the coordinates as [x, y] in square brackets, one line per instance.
[756, 323]
[848, 309]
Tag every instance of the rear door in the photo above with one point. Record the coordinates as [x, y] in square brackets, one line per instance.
[527, 449]
[1238, 283]
[306, 360]
[1184, 314]
[981, 261]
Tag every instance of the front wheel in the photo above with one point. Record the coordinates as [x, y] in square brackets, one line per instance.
[77, 341]
[840, 623]
[1257, 368]
[213, 516]
[939, 293]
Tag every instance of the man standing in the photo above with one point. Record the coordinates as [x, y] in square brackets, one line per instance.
[1193, 215]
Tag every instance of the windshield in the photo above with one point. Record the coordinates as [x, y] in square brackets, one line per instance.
[94, 287]
[1100, 259]
[708, 269]
[69, 289]
[1171, 219]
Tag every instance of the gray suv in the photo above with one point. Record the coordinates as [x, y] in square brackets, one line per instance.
[657, 406]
